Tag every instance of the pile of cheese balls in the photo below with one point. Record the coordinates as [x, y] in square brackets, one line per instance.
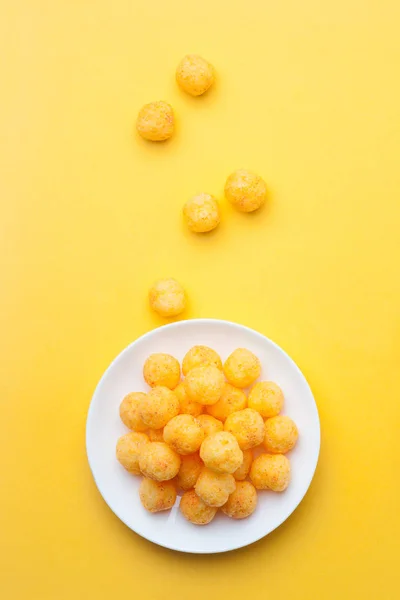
[244, 189]
[204, 436]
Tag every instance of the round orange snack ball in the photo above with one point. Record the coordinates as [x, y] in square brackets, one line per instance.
[158, 461]
[129, 411]
[220, 452]
[195, 510]
[280, 434]
[194, 74]
[210, 424]
[266, 397]
[129, 450]
[184, 434]
[200, 355]
[162, 369]
[201, 213]
[245, 190]
[232, 399]
[167, 298]
[204, 384]
[242, 368]
[247, 426]
[157, 495]
[242, 502]
[270, 472]
[155, 121]
[241, 473]
[187, 407]
[189, 471]
[214, 488]
[159, 407]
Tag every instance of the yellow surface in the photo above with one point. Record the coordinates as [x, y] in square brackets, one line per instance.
[308, 96]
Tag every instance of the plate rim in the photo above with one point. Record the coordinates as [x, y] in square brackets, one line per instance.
[178, 324]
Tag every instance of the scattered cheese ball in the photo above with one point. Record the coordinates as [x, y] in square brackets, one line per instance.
[242, 368]
[129, 411]
[187, 407]
[155, 121]
[280, 434]
[204, 384]
[194, 74]
[232, 399]
[184, 434]
[157, 495]
[241, 473]
[242, 502]
[158, 461]
[210, 424]
[200, 355]
[195, 510]
[189, 471]
[159, 407]
[270, 472]
[129, 450]
[162, 369]
[266, 397]
[156, 435]
[167, 298]
[245, 190]
[201, 213]
[247, 426]
[214, 488]
[220, 452]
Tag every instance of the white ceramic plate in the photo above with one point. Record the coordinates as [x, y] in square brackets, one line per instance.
[120, 489]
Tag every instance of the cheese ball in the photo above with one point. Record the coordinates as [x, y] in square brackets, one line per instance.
[157, 495]
[220, 452]
[201, 213]
[156, 435]
[189, 471]
[159, 407]
[162, 369]
[129, 411]
[184, 434]
[155, 121]
[242, 502]
[241, 473]
[187, 407]
[242, 368]
[214, 488]
[266, 397]
[167, 298]
[280, 434]
[245, 190]
[247, 426]
[204, 384]
[194, 75]
[270, 472]
[195, 510]
[200, 355]
[210, 424]
[129, 450]
[232, 399]
[158, 461]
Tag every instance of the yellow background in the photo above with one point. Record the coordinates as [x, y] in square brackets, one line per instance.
[308, 95]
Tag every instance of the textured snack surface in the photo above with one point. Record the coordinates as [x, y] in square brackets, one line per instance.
[155, 121]
[194, 74]
[167, 298]
[245, 190]
[220, 452]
